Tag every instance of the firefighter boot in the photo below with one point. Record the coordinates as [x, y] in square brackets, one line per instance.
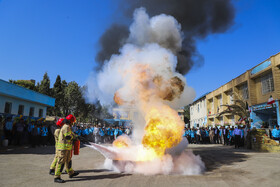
[74, 174]
[59, 180]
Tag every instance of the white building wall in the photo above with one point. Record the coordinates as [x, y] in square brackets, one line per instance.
[198, 112]
[27, 105]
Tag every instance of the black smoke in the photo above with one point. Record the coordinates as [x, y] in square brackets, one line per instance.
[198, 18]
[110, 42]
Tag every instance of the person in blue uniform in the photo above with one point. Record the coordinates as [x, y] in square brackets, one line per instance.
[229, 136]
[207, 139]
[29, 129]
[102, 134]
[85, 133]
[192, 134]
[44, 134]
[116, 132]
[275, 133]
[120, 131]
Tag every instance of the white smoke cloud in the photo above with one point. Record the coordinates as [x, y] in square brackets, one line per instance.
[144, 77]
[152, 42]
[162, 29]
[176, 161]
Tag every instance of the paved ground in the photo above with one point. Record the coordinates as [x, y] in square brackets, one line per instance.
[225, 167]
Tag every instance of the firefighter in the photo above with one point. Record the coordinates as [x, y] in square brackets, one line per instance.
[64, 147]
[59, 124]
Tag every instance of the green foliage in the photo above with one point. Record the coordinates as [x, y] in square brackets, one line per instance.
[58, 94]
[68, 99]
[239, 107]
[25, 83]
[73, 97]
[44, 86]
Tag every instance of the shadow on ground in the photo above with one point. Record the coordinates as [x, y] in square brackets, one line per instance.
[216, 156]
[98, 177]
[28, 150]
[94, 171]
[213, 156]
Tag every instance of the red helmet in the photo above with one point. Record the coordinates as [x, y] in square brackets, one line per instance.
[60, 122]
[71, 118]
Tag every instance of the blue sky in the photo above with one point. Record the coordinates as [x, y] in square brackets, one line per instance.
[61, 37]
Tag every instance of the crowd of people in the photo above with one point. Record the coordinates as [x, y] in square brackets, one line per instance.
[25, 131]
[99, 133]
[238, 136]
[20, 131]
[217, 135]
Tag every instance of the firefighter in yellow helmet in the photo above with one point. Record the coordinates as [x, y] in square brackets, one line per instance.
[59, 124]
[64, 147]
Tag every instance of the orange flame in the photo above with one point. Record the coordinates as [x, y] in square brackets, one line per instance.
[163, 130]
[122, 142]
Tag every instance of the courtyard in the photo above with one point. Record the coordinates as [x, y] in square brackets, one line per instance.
[225, 166]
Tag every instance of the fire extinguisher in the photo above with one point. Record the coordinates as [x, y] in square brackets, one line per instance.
[77, 147]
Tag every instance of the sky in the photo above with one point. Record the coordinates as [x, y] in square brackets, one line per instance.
[61, 38]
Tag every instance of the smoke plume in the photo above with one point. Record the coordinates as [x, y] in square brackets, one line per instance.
[140, 69]
[143, 77]
[198, 19]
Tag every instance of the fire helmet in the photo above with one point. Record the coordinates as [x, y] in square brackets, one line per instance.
[71, 118]
[60, 122]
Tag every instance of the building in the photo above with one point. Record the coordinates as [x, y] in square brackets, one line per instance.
[125, 113]
[255, 86]
[17, 100]
[198, 112]
[129, 113]
[181, 114]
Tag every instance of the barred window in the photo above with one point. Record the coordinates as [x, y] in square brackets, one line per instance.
[267, 83]
[221, 100]
[8, 107]
[231, 98]
[40, 112]
[244, 91]
[31, 112]
[20, 109]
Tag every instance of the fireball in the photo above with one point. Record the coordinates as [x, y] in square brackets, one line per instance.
[122, 142]
[163, 130]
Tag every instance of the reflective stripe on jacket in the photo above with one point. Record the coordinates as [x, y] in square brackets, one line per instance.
[56, 134]
[63, 143]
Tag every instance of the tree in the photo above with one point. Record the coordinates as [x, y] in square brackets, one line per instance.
[29, 84]
[239, 108]
[44, 86]
[58, 94]
[73, 97]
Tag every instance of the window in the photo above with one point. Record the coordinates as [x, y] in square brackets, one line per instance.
[40, 112]
[8, 107]
[231, 98]
[31, 112]
[244, 91]
[267, 83]
[220, 100]
[198, 107]
[20, 109]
